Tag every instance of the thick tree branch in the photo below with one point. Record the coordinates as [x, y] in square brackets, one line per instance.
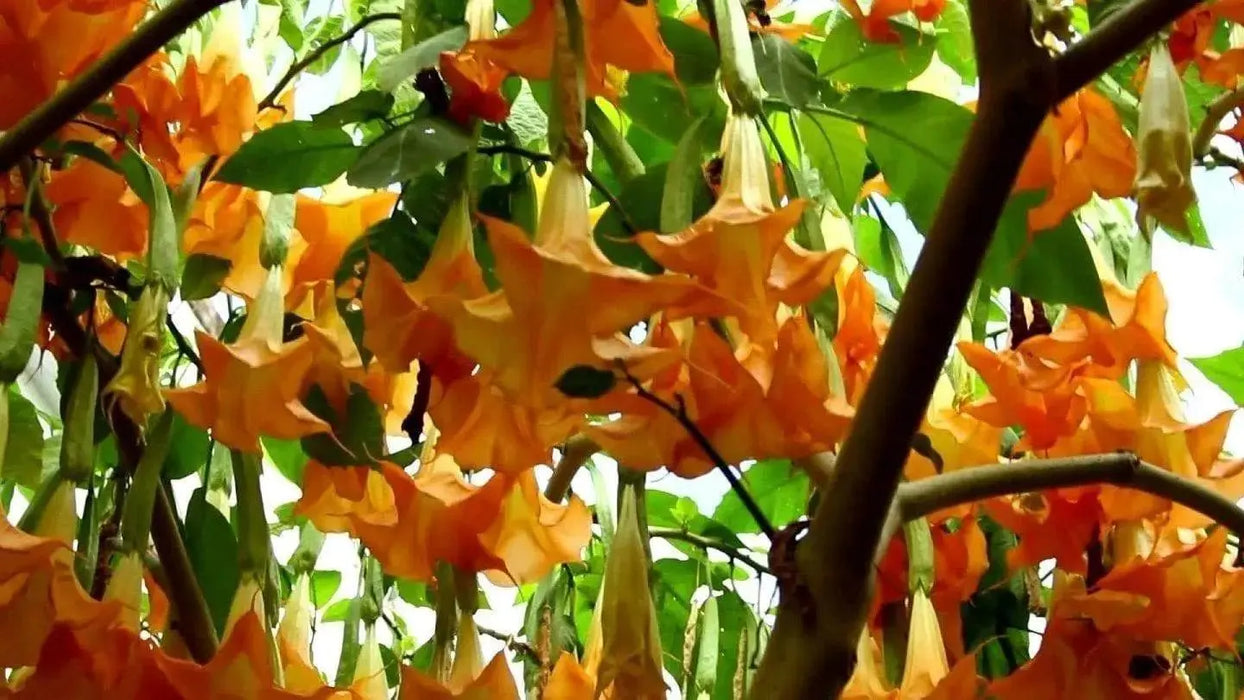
[921, 498]
[575, 453]
[316, 54]
[1113, 39]
[813, 655]
[39, 125]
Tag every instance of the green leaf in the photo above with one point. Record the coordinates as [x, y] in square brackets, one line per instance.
[954, 40]
[837, 151]
[394, 71]
[287, 456]
[414, 592]
[667, 510]
[339, 611]
[586, 382]
[847, 57]
[203, 275]
[408, 151]
[916, 162]
[187, 449]
[786, 72]
[683, 178]
[778, 488]
[365, 106]
[641, 199]
[878, 248]
[327, 28]
[324, 585]
[398, 240]
[695, 54]
[1226, 370]
[358, 435]
[658, 106]
[213, 550]
[289, 157]
[1056, 267]
[23, 451]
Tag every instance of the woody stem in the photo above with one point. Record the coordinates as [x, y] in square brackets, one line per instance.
[39, 125]
[319, 52]
[917, 499]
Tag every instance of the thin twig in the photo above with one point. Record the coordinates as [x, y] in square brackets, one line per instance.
[1215, 112]
[40, 212]
[918, 499]
[39, 125]
[673, 533]
[679, 413]
[509, 640]
[183, 345]
[412, 424]
[269, 100]
[506, 149]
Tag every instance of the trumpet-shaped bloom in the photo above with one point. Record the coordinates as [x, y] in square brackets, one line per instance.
[493, 682]
[96, 208]
[1081, 149]
[876, 24]
[329, 225]
[559, 293]
[630, 659]
[293, 639]
[252, 387]
[616, 34]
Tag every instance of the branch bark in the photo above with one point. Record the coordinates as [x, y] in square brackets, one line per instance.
[1215, 112]
[41, 124]
[813, 655]
[577, 451]
[918, 499]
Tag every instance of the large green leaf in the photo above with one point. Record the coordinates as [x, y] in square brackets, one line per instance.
[660, 107]
[412, 149]
[364, 106]
[425, 54]
[695, 54]
[786, 72]
[23, 450]
[358, 433]
[1055, 266]
[187, 449]
[954, 40]
[1226, 370]
[287, 456]
[847, 57]
[289, 157]
[916, 162]
[836, 149]
[213, 550]
[778, 487]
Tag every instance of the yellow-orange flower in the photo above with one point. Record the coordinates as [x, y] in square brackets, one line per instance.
[329, 225]
[1081, 149]
[96, 208]
[617, 34]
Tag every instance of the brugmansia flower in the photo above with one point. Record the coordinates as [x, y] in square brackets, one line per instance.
[96, 208]
[475, 82]
[787, 30]
[369, 678]
[469, 678]
[1081, 149]
[741, 249]
[252, 387]
[616, 35]
[876, 24]
[504, 528]
[630, 661]
[293, 639]
[136, 385]
[330, 224]
[1164, 178]
[559, 294]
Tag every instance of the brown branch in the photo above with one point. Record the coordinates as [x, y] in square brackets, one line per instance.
[269, 100]
[39, 125]
[812, 652]
[1113, 39]
[40, 212]
[1215, 112]
[575, 453]
[927, 496]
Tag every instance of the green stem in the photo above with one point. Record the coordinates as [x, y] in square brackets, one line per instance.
[37, 126]
[622, 159]
[672, 533]
[253, 543]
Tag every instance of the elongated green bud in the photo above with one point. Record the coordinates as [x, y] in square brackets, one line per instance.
[17, 334]
[253, 542]
[140, 502]
[738, 63]
[77, 447]
[277, 225]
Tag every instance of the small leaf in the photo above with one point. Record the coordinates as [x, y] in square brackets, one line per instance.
[365, 106]
[289, 157]
[203, 275]
[324, 585]
[954, 40]
[847, 57]
[1226, 370]
[408, 151]
[287, 456]
[586, 382]
[787, 72]
[681, 180]
[426, 54]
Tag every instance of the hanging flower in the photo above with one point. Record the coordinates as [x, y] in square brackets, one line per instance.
[1164, 175]
[293, 639]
